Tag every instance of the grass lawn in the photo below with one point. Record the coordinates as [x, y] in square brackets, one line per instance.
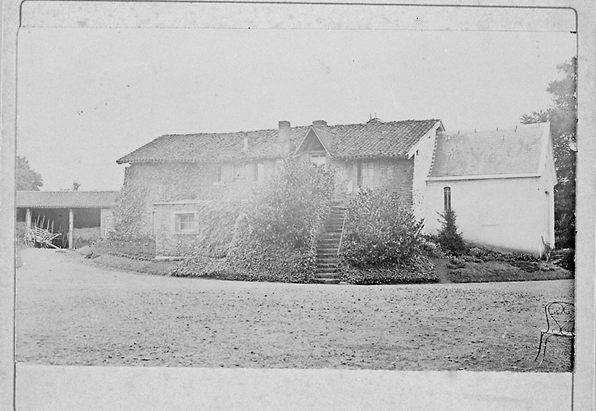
[72, 312]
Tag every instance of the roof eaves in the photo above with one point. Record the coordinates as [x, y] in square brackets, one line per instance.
[483, 177]
[433, 129]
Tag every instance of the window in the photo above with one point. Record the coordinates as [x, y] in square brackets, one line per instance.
[237, 172]
[318, 159]
[447, 198]
[366, 174]
[185, 222]
[259, 172]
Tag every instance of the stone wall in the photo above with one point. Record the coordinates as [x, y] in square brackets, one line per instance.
[107, 221]
[168, 182]
[190, 181]
[393, 174]
[213, 232]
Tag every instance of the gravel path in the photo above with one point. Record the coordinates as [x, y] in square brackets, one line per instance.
[70, 311]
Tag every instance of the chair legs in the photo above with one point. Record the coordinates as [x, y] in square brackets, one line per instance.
[539, 346]
[542, 349]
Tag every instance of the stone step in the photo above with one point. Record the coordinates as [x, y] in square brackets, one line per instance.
[328, 246]
[328, 273]
[327, 258]
[326, 265]
[325, 275]
[327, 280]
[326, 254]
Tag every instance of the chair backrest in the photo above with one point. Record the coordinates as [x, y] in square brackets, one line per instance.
[560, 316]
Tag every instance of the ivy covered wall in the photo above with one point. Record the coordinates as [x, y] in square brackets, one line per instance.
[149, 183]
[212, 233]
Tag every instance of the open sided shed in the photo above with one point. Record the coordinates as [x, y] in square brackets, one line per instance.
[76, 215]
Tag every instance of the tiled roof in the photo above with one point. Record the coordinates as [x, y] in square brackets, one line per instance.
[66, 199]
[516, 150]
[373, 139]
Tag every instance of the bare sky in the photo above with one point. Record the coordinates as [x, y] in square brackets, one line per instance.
[89, 96]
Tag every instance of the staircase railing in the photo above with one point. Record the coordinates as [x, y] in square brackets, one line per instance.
[343, 228]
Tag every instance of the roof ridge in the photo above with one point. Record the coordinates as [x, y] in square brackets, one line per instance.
[294, 127]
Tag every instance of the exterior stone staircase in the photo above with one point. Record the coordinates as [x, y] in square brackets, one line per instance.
[328, 245]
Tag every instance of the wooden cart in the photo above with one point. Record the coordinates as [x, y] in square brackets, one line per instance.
[41, 236]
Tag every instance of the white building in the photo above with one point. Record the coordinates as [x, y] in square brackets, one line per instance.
[500, 185]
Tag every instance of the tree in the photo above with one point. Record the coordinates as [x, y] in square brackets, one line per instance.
[381, 230]
[449, 238]
[563, 118]
[27, 178]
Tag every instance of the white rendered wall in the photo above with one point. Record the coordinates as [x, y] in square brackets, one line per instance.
[507, 213]
[423, 157]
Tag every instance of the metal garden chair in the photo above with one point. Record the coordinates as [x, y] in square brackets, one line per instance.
[560, 322]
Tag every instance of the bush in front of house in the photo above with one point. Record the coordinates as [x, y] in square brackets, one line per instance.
[141, 248]
[275, 237]
[288, 209]
[380, 230]
[449, 238]
[420, 269]
[383, 242]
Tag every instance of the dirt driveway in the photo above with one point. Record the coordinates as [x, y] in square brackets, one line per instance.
[72, 312]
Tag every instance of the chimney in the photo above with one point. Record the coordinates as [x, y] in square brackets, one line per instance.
[320, 123]
[283, 138]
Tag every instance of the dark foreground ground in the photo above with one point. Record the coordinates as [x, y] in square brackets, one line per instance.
[72, 312]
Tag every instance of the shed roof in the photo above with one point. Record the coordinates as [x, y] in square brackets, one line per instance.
[513, 151]
[372, 139]
[66, 199]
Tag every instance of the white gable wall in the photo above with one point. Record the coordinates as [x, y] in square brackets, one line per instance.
[422, 153]
[508, 213]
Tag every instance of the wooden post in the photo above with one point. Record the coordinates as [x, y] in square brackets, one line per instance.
[70, 228]
[28, 218]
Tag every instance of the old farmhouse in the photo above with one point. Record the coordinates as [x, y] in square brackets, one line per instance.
[179, 173]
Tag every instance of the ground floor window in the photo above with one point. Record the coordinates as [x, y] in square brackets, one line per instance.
[185, 222]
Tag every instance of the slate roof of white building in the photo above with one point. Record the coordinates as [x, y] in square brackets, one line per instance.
[370, 140]
[66, 199]
[518, 150]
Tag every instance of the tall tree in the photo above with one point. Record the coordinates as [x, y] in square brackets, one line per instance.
[563, 118]
[27, 178]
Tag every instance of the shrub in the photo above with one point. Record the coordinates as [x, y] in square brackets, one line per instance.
[380, 231]
[276, 266]
[449, 238]
[276, 235]
[289, 209]
[137, 248]
[419, 270]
